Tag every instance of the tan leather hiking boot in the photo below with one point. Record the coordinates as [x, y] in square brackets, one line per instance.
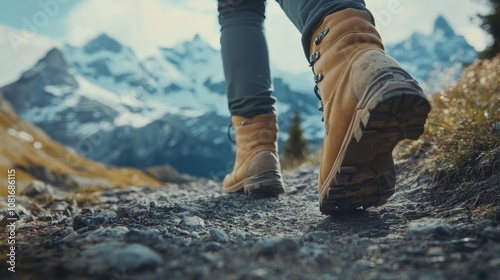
[369, 104]
[257, 169]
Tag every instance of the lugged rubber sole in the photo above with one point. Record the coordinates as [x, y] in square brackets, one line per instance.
[395, 111]
[265, 184]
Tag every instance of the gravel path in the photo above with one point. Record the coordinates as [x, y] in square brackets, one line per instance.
[192, 231]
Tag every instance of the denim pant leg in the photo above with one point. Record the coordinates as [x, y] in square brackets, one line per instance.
[307, 15]
[245, 57]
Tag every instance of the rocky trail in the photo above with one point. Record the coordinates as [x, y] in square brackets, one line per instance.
[192, 231]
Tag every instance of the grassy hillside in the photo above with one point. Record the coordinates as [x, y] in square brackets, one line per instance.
[462, 138]
[33, 155]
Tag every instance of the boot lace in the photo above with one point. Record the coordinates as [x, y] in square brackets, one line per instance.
[318, 77]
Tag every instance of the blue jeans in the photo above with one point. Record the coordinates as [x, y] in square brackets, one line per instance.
[245, 55]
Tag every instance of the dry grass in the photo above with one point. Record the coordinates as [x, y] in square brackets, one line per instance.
[291, 164]
[460, 134]
[53, 162]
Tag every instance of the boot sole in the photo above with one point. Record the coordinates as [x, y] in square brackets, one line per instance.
[266, 184]
[366, 177]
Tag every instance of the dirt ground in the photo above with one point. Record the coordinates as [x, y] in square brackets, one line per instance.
[427, 230]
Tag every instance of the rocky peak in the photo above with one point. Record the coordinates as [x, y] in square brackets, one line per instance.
[193, 47]
[53, 69]
[442, 27]
[103, 43]
[197, 41]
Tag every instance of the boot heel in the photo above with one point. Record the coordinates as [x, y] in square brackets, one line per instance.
[265, 184]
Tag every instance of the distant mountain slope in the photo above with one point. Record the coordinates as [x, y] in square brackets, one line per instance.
[427, 57]
[35, 156]
[168, 109]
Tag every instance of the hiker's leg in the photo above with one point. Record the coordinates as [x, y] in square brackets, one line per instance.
[249, 88]
[245, 57]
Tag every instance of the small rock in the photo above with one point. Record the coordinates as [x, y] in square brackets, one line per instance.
[311, 197]
[152, 204]
[199, 272]
[29, 219]
[67, 231]
[218, 235]
[176, 220]
[148, 237]
[81, 221]
[70, 237]
[317, 251]
[109, 232]
[212, 247]
[467, 244]
[316, 236]
[57, 206]
[494, 262]
[183, 232]
[280, 246]
[435, 251]
[364, 264]
[256, 216]
[47, 218]
[492, 233]
[87, 211]
[240, 237]
[122, 212]
[496, 127]
[193, 221]
[82, 230]
[435, 227]
[37, 188]
[121, 256]
[410, 206]
[256, 274]
[37, 210]
[389, 217]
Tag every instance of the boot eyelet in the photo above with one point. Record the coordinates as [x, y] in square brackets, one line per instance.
[318, 95]
[321, 35]
[317, 92]
[318, 78]
[314, 57]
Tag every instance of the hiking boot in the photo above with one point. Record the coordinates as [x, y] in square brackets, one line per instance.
[257, 169]
[369, 104]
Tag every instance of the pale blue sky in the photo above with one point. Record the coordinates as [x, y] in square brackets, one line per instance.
[13, 12]
[145, 25]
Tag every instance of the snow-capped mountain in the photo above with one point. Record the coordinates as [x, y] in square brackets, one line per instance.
[434, 60]
[170, 108]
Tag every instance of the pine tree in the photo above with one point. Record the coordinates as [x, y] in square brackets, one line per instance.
[296, 147]
[491, 24]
